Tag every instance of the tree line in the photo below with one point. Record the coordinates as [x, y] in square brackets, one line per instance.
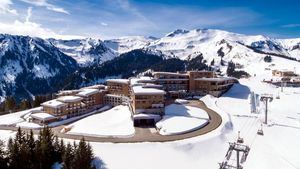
[27, 152]
[10, 104]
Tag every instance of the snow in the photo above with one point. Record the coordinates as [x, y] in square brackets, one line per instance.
[278, 148]
[140, 90]
[42, 116]
[69, 99]
[116, 122]
[180, 119]
[181, 101]
[183, 110]
[53, 103]
[87, 92]
[13, 118]
[29, 125]
[171, 125]
[125, 81]
[43, 71]
[69, 120]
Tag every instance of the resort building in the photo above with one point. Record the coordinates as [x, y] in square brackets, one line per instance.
[215, 86]
[116, 100]
[283, 73]
[148, 104]
[172, 81]
[91, 97]
[55, 108]
[74, 106]
[118, 87]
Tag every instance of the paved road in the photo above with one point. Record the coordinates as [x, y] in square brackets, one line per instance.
[145, 134]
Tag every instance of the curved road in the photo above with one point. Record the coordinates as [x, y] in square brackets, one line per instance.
[144, 134]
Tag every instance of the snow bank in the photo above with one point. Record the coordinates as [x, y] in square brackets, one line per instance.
[14, 118]
[171, 125]
[116, 122]
[181, 119]
[183, 110]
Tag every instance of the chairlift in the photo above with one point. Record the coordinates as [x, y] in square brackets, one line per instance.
[240, 139]
[260, 131]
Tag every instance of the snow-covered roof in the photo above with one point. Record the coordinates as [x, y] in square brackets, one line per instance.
[87, 92]
[98, 86]
[217, 79]
[139, 90]
[171, 73]
[43, 116]
[69, 99]
[53, 104]
[65, 92]
[143, 79]
[124, 81]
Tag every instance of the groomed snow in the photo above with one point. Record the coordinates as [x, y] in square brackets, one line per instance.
[184, 110]
[180, 119]
[115, 122]
[171, 125]
[13, 118]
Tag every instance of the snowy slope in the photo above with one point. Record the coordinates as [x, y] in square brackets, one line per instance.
[85, 51]
[30, 65]
[129, 43]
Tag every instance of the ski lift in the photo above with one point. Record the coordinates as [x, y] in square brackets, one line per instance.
[240, 139]
[260, 131]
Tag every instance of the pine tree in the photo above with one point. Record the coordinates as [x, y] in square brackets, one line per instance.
[10, 103]
[59, 148]
[25, 104]
[45, 148]
[30, 142]
[68, 157]
[3, 159]
[83, 156]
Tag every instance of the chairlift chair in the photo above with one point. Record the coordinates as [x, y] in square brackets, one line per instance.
[260, 131]
[240, 139]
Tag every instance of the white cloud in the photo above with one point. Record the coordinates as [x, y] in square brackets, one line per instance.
[32, 29]
[291, 25]
[44, 3]
[5, 7]
[29, 13]
[104, 24]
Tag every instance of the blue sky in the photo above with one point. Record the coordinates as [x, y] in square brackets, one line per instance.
[115, 18]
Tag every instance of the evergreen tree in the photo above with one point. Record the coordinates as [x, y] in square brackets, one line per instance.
[45, 148]
[30, 142]
[3, 159]
[10, 103]
[59, 148]
[68, 157]
[83, 156]
[25, 104]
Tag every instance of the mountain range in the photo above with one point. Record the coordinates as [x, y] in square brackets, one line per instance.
[30, 66]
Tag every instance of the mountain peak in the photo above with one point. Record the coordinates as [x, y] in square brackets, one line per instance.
[177, 32]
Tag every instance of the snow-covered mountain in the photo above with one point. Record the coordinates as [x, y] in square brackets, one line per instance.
[26, 61]
[30, 66]
[129, 43]
[85, 51]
